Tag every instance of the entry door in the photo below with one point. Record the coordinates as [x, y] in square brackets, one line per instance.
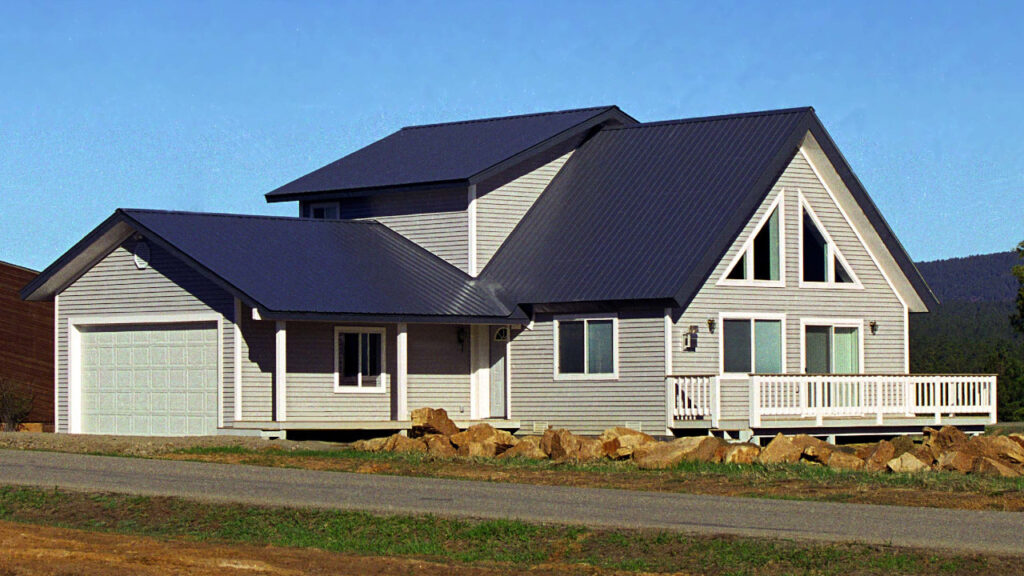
[499, 369]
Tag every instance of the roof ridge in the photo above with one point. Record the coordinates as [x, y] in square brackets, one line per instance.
[245, 216]
[515, 116]
[716, 118]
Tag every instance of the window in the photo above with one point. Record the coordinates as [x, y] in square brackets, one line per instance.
[752, 346]
[358, 359]
[323, 210]
[831, 349]
[760, 260]
[821, 261]
[586, 347]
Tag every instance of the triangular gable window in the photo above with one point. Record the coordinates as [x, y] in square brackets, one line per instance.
[760, 260]
[821, 261]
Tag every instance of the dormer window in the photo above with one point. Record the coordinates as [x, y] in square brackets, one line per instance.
[323, 210]
[760, 259]
[820, 259]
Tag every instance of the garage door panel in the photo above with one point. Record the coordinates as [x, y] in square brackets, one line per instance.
[150, 379]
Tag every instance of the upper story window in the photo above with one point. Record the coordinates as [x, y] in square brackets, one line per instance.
[760, 259]
[753, 345]
[322, 210]
[586, 347]
[821, 263]
[359, 359]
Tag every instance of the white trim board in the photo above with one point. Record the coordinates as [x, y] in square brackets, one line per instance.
[613, 375]
[833, 322]
[779, 203]
[753, 316]
[381, 387]
[832, 247]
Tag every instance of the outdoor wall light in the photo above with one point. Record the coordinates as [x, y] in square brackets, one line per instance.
[711, 325]
[874, 327]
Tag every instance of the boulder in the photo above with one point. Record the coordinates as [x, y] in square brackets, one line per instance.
[839, 460]
[1017, 437]
[924, 453]
[559, 444]
[954, 460]
[439, 445]
[486, 441]
[371, 445]
[620, 443]
[879, 455]
[816, 454]
[780, 450]
[431, 421]
[992, 467]
[745, 453]
[907, 463]
[1006, 448]
[403, 444]
[943, 439]
[528, 447]
[588, 449]
[658, 455]
[901, 444]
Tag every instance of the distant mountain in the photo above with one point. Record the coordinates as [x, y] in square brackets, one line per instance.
[981, 278]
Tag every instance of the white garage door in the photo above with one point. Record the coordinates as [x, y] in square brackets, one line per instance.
[149, 379]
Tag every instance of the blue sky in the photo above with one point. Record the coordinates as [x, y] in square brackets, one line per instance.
[208, 105]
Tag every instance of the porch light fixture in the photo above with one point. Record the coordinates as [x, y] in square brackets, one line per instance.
[874, 327]
[711, 325]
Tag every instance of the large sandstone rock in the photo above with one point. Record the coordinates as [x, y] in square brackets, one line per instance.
[901, 444]
[588, 449]
[431, 421]
[371, 445]
[659, 455]
[780, 450]
[992, 467]
[925, 454]
[1017, 437]
[954, 460]
[559, 444]
[620, 443]
[907, 463]
[483, 440]
[943, 439]
[439, 445]
[839, 460]
[403, 444]
[745, 453]
[528, 447]
[1006, 448]
[876, 459]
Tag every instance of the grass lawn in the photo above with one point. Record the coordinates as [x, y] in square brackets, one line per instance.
[501, 545]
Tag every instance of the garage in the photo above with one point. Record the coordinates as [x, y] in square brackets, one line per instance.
[149, 379]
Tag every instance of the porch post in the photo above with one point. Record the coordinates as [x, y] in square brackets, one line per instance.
[280, 371]
[402, 372]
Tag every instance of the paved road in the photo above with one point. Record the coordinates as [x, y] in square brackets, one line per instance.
[966, 531]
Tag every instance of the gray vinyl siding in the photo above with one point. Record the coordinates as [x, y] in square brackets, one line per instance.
[636, 398]
[436, 220]
[310, 381]
[259, 356]
[115, 286]
[884, 352]
[499, 211]
[438, 375]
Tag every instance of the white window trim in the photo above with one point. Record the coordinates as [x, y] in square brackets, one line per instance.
[833, 249]
[313, 205]
[614, 374]
[748, 250]
[833, 323]
[382, 384]
[752, 316]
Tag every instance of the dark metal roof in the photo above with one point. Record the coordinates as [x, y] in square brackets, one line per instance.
[640, 211]
[316, 268]
[645, 212]
[444, 154]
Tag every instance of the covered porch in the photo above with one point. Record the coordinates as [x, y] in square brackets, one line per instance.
[831, 403]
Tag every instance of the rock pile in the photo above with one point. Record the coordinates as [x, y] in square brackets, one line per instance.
[946, 449]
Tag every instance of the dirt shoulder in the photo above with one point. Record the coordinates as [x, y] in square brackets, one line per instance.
[800, 481]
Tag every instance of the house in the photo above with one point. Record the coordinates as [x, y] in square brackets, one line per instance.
[26, 344]
[576, 269]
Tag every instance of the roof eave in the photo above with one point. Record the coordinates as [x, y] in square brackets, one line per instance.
[274, 196]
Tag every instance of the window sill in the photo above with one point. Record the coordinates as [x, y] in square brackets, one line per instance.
[358, 390]
[753, 283]
[586, 377]
[832, 285]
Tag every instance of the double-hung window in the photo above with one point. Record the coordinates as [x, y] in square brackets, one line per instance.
[359, 359]
[586, 346]
[752, 345]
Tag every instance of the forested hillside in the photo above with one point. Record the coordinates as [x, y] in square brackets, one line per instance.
[970, 332]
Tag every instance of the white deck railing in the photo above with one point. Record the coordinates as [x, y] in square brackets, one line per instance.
[864, 396]
[694, 397]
